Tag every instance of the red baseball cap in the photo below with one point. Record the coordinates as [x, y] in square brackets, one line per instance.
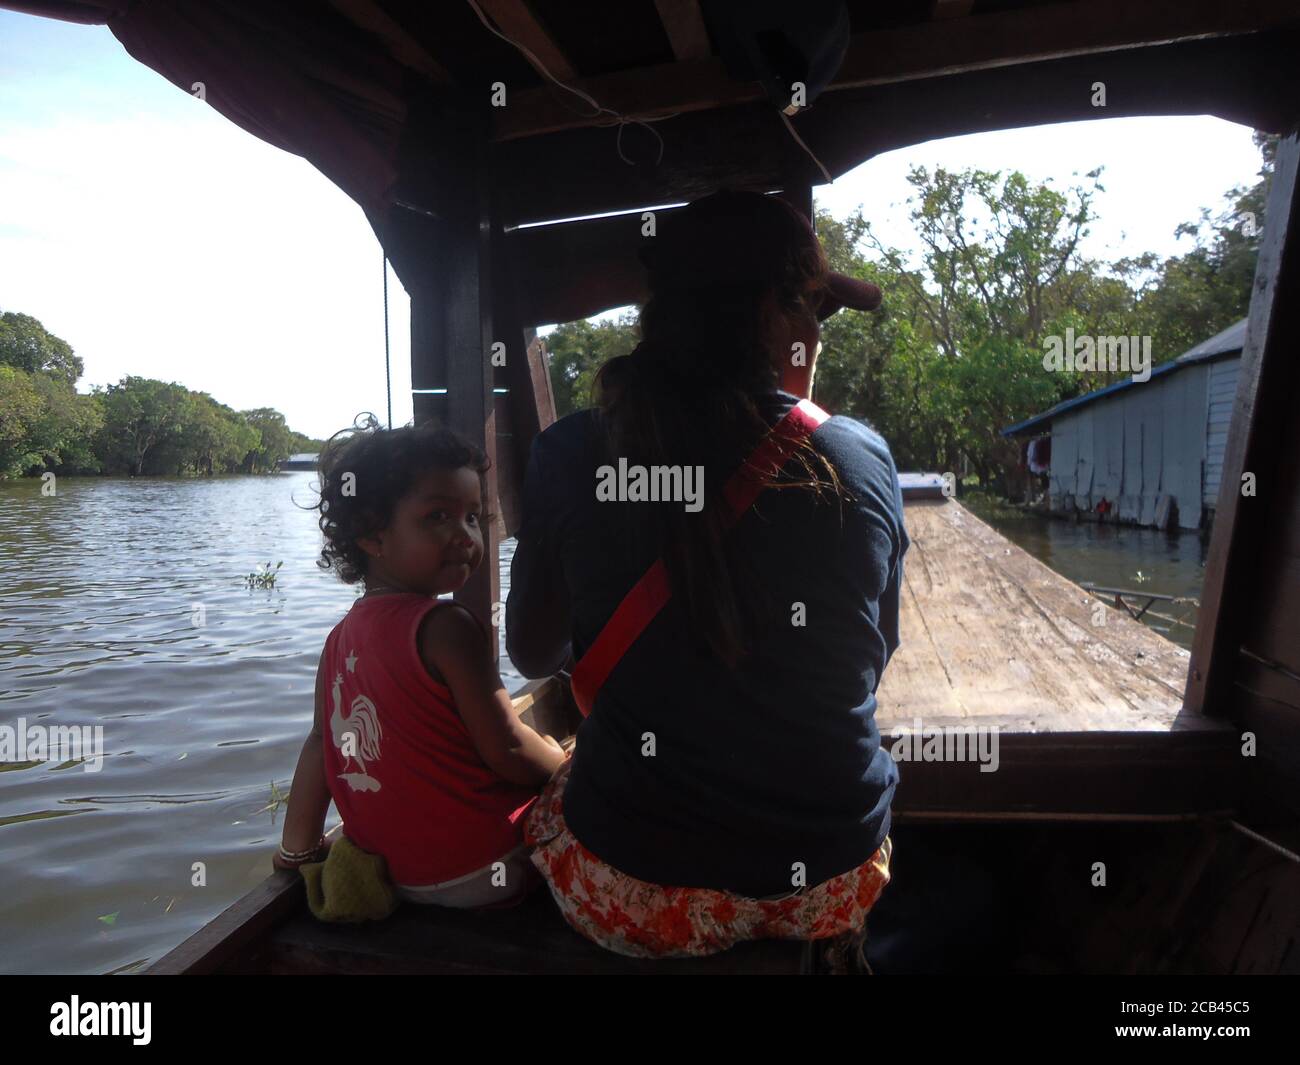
[737, 235]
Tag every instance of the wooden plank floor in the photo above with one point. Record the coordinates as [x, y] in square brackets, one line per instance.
[992, 636]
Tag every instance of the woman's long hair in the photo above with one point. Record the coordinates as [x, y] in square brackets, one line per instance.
[687, 396]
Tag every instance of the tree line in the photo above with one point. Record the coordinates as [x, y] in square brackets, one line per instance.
[137, 427]
[955, 352]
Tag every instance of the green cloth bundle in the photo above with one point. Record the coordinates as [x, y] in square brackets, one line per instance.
[350, 885]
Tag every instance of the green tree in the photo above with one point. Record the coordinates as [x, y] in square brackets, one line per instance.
[20, 410]
[137, 426]
[577, 350]
[1186, 298]
[25, 345]
[143, 419]
[44, 423]
[212, 439]
[956, 350]
[300, 444]
[64, 432]
[275, 441]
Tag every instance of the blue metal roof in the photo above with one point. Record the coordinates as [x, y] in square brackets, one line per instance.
[1221, 344]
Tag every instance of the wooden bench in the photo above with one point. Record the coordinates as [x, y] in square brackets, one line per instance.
[531, 938]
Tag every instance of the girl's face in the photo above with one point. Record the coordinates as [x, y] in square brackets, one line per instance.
[434, 540]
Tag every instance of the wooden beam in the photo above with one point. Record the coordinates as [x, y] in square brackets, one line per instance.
[1249, 79]
[1077, 776]
[1257, 415]
[644, 92]
[573, 270]
[540, 375]
[751, 149]
[799, 195]
[452, 376]
[515, 406]
[925, 50]
[685, 28]
[471, 377]
[517, 21]
[372, 18]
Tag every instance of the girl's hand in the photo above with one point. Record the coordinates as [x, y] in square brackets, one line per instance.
[319, 856]
[281, 864]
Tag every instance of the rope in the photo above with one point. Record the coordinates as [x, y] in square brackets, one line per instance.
[619, 118]
[1251, 833]
[388, 366]
[799, 140]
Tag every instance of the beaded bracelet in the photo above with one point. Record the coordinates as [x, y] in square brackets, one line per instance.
[299, 857]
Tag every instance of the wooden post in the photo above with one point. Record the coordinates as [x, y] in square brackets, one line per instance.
[1261, 409]
[451, 340]
[524, 402]
[798, 193]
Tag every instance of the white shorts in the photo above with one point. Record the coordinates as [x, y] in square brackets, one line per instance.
[477, 888]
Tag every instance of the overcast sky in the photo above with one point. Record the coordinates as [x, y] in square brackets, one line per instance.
[161, 240]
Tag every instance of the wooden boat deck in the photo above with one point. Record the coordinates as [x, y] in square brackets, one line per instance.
[992, 636]
[1090, 717]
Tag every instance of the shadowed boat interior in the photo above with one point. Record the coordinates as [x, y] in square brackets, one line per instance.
[1114, 745]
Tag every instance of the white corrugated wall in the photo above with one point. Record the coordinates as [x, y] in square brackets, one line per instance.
[1135, 446]
[1222, 392]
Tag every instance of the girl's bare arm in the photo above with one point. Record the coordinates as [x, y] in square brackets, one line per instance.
[309, 795]
[451, 641]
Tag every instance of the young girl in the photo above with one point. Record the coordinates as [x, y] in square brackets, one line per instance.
[414, 736]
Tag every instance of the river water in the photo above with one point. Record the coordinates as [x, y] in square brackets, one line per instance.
[101, 589]
[1114, 556]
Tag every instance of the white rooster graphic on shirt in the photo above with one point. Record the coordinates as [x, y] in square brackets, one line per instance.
[357, 735]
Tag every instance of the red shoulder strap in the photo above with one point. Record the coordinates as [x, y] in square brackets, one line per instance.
[652, 591]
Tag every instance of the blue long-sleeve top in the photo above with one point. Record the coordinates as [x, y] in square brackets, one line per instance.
[688, 773]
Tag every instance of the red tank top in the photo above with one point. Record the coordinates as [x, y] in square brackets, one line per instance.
[410, 784]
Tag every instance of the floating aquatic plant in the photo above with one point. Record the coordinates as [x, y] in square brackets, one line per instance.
[264, 577]
[278, 798]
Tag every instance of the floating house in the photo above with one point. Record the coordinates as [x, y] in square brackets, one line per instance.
[1145, 452]
[303, 460]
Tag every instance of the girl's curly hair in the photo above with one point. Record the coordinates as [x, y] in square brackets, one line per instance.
[366, 469]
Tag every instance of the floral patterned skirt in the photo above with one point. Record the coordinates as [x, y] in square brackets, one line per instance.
[644, 920]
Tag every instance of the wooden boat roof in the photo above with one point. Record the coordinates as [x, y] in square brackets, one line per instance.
[391, 100]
